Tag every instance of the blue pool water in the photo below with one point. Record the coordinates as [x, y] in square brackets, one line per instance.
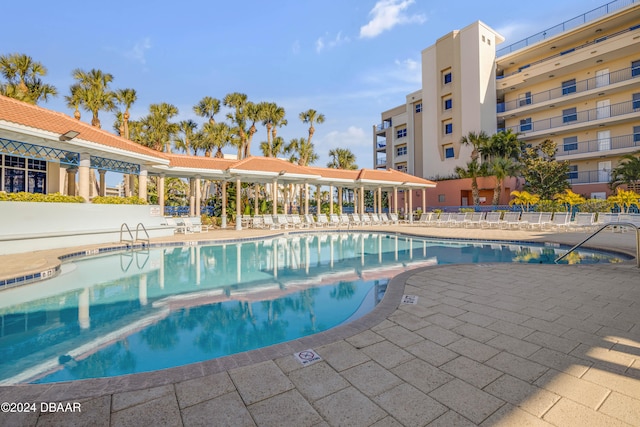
[134, 312]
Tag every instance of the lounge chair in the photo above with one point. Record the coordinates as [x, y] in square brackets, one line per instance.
[344, 220]
[257, 222]
[281, 220]
[269, 223]
[297, 222]
[424, 219]
[443, 219]
[354, 219]
[322, 220]
[491, 219]
[560, 220]
[334, 220]
[366, 219]
[582, 221]
[177, 228]
[457, 220]
[545, 219]
[474, 219]
[530, 219]
[510, 219]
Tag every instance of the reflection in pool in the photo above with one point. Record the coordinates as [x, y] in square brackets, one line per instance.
[139, 311]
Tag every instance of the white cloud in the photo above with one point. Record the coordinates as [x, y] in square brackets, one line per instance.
[352, 137]
[339, 39]
[386, 14]
[137, 52]
[295, 48]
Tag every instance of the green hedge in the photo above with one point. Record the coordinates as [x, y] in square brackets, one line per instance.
[38, 197]
[113, 200]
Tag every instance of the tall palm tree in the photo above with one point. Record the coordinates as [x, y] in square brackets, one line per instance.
[157, 129]
[342, 158]
[278, 120]
[126, 98]
[501, 168]
[23, 79]
[302, 152]
[477, 141]
[218, 136]
[311, 116]
[187, 129]
[255, 113]
[207, 108]
[473, 171]
[238, 101]
[75, 99]
[272, 118]
[502, 144]
[96, 95]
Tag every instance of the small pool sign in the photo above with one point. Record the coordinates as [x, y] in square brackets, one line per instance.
[409, 299]
[307, 357]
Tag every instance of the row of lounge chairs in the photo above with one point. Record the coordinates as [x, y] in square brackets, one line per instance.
[282, 221]
[525, 220]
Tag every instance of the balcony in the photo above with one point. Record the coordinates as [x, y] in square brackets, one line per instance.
[598, 82]
[381, 162]
[580, 117]
[565, 26]
[589, 177]
[568, 51]
[384, 125]
[600, 145]
[381, 146]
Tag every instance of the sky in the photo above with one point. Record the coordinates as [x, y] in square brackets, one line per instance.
[348, 60]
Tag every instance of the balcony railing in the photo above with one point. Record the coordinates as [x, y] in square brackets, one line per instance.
[581, 86]
[566, 25]
[589, 177]
[599, 145]
[381, 161]
[567, 51]
[381, 145]
[577, 117]
[384, 125]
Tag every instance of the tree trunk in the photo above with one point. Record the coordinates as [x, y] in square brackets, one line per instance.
[496, 192]
[474, 191]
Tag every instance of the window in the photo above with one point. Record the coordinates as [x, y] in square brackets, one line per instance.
[448, 153]
[401, 133]
[569, 86]
[441, 198]
[448, 128]
[22, 174]
[636, 101]
[570, 143]
[401, 168]
[636, 134]
[573, 172]
[524, 99]
[401, 151]
[447, 104]
[635, 68]
[483, 39]
[419, 108]
[525, 125]
[569, 115]
[447, 78]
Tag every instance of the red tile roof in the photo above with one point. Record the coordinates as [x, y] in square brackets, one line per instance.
[39, 118]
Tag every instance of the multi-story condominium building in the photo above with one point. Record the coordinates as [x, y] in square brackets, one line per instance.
[577, 84]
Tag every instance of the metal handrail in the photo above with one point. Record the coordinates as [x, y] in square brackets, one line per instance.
[141, 225]
[625, 224]
[122, 227]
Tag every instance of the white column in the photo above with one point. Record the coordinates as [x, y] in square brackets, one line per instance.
[275, 197]
[379, 200]
[197, 190]
[306, 198]
[71, 181]
[256, 191]
[409, 192]
[361, 200]
[223, 215]
[340, 200]
[424, 200]
[132, 184]
[83, 176]
[161, 193]
[142, 182]
[395, 200]
[319, 199]
[331, 199]
[238, 205]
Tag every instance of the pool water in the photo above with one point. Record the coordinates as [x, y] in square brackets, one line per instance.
[141, 311]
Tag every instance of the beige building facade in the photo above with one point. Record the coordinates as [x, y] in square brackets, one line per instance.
[577, 84]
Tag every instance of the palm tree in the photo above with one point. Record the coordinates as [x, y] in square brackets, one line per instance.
[238, 101]
[311, 117]
[126, 98]
[157, 131]
[342, 158]
[188, 129]
[473, 171]
[272, 117]
[23, 79]
[501, 168]
[95, 93]
[254, 114]
[502, 144]
[75, 99]
[627, 172]
[218, 136]
[302, 152]
[624, 199]
[477, 141]
[274, 149]
[207, 108]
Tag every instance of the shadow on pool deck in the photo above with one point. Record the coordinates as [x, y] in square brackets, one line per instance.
[490, 344]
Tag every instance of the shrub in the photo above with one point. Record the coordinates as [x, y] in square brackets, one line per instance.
[595, 205]
[546, 205]
[114, 200]
[39, 197]
[466, 210]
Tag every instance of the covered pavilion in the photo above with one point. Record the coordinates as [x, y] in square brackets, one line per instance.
[43, 151]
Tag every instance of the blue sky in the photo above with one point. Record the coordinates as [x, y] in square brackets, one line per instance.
[348, 60]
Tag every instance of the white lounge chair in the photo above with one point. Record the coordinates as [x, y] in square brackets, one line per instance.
[474, 219]
[582, 221]
[510, 219]
[560, 220]
[491, 219]
[530, 219]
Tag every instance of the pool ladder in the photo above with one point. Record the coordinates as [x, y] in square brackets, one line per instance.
[622, 224]
[131, 239]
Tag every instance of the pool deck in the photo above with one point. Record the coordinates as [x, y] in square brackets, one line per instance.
[485, 344]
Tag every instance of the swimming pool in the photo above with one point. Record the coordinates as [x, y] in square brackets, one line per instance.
[140, 311]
